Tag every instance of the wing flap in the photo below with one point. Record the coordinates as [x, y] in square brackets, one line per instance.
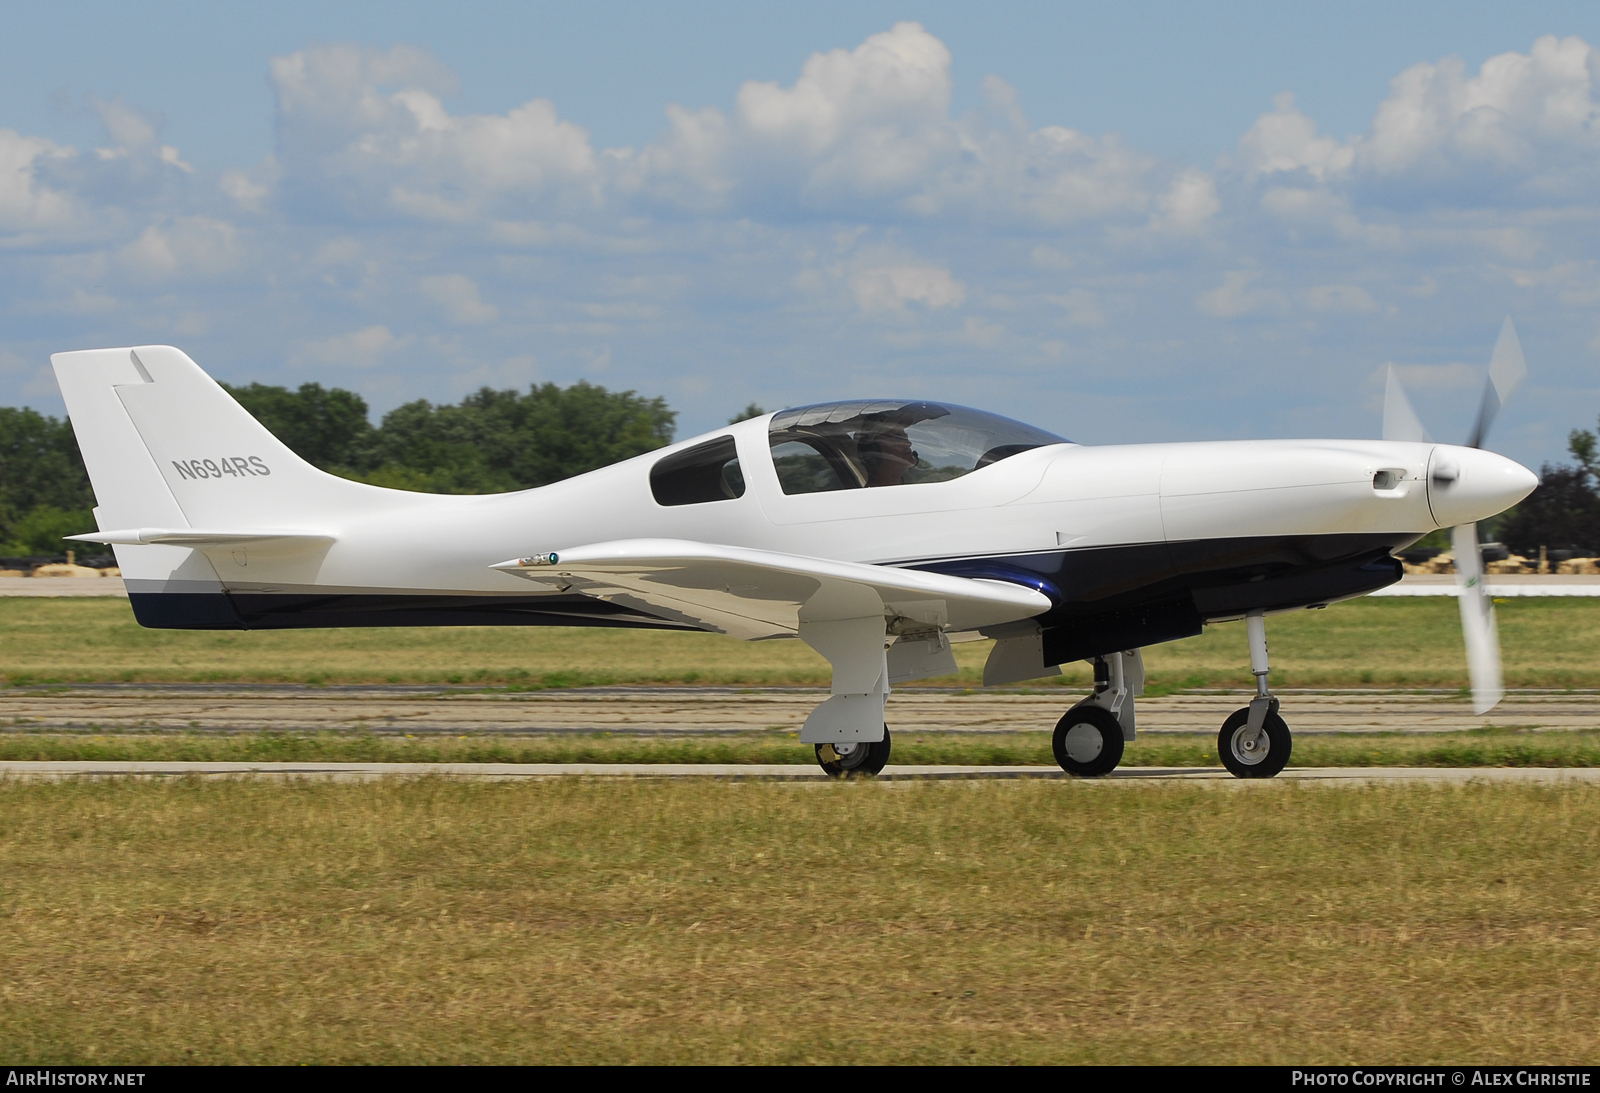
[759, 594]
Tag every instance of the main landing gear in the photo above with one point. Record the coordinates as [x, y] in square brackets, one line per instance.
[1255, 741]
[844, 758]
[1088, 742]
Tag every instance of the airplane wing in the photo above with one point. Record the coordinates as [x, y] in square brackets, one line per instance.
[753, 594]
[198, 537]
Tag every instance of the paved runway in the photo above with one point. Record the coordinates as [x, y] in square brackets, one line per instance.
[502, 772]
[649, 711]
[62, 586]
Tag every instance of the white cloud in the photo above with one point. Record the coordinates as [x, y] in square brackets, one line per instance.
[129, 128]
[364, 348]
[1520, 112]
[458, 295]
[134, 133]
[1286, 141]
[891, 288]
[871, 128]
[193, 244]
[1189, 203]
[899, 80]
[1236, 297]
[252, 189]
[341, 128]
[862, 128]
[24, 202]
[1525, 125]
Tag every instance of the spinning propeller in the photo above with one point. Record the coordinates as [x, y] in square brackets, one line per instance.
[1400, 422]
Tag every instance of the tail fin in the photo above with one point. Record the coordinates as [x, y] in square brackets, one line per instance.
[166, 447]
[201, 450]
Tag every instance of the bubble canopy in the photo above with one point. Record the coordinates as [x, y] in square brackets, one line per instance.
[891, 442]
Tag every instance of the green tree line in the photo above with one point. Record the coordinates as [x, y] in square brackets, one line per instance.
[490, 442]
[1564, 512]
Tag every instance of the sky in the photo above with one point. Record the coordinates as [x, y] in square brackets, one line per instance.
[1123, 223]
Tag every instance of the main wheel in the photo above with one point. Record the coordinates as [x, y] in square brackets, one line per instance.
[1270, 753]
[854, 757]
[1088, 742]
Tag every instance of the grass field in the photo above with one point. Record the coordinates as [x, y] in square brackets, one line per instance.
[1396, 642]
[1480, 748]
[579, 921]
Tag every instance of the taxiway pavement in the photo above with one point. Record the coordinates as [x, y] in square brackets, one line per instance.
[651, 711]
[502, 772]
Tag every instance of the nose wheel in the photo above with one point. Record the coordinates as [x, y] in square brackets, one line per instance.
[844, 758]
[1254, 754]
[1255, 742]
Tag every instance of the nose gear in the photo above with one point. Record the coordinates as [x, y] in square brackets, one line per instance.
[1255, 742]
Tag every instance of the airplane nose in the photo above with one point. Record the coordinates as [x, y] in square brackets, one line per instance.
[1468, 484]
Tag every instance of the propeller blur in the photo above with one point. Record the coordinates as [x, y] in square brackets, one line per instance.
[1460, 483]
[876, 531]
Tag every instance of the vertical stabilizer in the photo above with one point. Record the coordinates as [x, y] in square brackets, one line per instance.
[166, 447]
[129, 491]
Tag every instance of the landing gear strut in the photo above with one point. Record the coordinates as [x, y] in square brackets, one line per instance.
[843, 758]
[1088, 741]
[1255, 741]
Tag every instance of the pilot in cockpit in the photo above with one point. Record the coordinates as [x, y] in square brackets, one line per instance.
[886, 454]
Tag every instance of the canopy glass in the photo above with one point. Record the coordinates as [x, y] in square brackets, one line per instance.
[889, 442]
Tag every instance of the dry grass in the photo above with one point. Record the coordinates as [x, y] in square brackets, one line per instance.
[1401, 642]
[1479, 748]
[574, 921]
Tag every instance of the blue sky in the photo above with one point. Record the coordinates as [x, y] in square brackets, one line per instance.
[1131, 222]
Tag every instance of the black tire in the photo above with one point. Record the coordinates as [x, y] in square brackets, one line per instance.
[1241, 764]
[1088, 742]
[864, 758]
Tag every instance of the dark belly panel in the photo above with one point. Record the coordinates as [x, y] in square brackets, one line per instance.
[284, 611]
[1111, 598]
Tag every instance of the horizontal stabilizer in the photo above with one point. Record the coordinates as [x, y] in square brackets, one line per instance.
[198, 537]
[760, 593]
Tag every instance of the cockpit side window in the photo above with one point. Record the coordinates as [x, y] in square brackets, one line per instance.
[848, 445]
[705, 472]
[812, 465]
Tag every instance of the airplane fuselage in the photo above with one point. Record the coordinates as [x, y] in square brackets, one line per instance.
[1133, 544]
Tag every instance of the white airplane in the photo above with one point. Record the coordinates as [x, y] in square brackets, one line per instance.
[878, 532]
